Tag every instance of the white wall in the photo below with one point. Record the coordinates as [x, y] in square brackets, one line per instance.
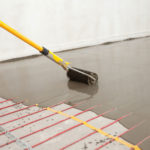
[66, 24]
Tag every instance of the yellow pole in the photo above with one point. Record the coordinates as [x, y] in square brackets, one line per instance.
[51, 55]
[20, 36]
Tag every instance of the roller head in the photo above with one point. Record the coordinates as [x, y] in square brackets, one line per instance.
[83, 76]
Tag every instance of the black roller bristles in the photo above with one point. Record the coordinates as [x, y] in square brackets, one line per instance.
[83, 76]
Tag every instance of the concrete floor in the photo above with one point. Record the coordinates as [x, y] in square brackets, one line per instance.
[124, 82]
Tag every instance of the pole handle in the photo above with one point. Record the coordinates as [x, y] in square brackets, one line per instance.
[20, 36]
[50, 54]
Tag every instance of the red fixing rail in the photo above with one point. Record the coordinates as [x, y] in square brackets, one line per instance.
[90, 134]
[10, 105]
[48, 126]
[31, 114]
[110, 141]
[41, 118]
[35, 145]
[17, 110]
[146, 138]
[6, 100]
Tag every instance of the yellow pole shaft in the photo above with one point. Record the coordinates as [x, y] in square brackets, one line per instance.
[20, 36]
[51, 55]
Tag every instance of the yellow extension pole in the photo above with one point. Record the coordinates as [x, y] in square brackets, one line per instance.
[51, 55]
[20, 36]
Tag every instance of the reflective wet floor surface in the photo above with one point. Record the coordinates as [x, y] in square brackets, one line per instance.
[124, 82]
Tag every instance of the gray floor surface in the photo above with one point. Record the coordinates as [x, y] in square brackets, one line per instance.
[124, 82]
